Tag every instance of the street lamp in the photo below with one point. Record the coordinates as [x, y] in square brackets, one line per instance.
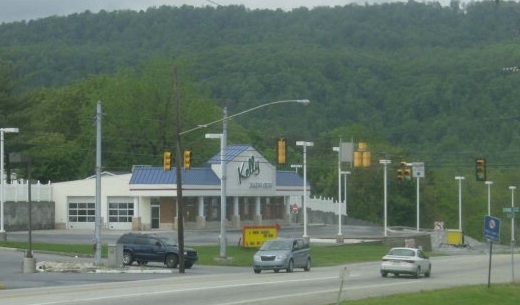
[304, 144]
[223, 145]
[488, 183]
[223, 196]
[340, 234]
[460, 178]
[2, 132]
[512, 188]
[345, 193]
[385, 164]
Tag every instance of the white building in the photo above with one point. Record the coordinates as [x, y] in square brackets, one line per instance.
[146, 199]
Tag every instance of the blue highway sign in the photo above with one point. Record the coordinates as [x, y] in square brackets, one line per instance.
[492, 228]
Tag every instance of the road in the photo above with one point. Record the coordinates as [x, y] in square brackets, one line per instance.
[192, 237]
[234, 286]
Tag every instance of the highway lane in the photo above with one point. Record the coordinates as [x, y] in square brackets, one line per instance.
[242, 286]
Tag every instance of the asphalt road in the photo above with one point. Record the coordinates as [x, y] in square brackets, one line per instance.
[235, 286]
[11, 276]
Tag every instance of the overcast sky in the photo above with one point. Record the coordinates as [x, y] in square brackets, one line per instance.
[18, 10]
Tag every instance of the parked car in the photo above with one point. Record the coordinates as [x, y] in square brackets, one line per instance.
[144, 248]
[406, 261]
[283, 253]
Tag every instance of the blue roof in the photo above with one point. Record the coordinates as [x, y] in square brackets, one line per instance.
[231, 152]
[288, 178]
[157, 175]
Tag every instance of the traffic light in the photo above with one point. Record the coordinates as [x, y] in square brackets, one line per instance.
[281, 151]
[400, 174]
[404, 173]
[480, 169]
[187, 159]
[407, 174]
[167, 160]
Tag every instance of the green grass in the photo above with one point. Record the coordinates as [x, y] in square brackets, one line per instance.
[497, 294]
[322, 255]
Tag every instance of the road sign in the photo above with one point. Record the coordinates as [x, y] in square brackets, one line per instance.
[418, 169]
[492, 228]
[294, 208]
[510, 209]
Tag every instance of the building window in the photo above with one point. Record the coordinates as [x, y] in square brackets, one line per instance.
[82, 212]
[120, 211]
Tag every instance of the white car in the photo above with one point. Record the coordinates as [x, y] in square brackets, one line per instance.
[406, 261]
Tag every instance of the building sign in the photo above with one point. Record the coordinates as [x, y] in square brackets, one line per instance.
[246, 170]
[260, 185]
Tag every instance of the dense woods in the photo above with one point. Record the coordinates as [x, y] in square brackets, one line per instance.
[416, 81]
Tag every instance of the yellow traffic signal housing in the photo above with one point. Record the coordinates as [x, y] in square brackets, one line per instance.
[187, 159]
[167, 160]
[400, 175]
[358, 159]
[404, 173]
[407, 174]
[281, 151]
[480, 169]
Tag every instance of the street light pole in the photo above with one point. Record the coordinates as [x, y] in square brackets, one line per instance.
[2, 178]
[385, 164]
[223, 145]
[305, 144]
[345, 194]
[460, 178]
[488, 183]
[339, 239]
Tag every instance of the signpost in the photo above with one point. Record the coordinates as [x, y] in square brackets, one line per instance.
[492, 234]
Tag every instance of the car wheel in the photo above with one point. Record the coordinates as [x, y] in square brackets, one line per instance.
[384, 273]
[290, 267]
[172, 261]
[127, 258]
[428, 273]
[417, 272]
[396, 274]
[188, 265]
[307, 265]
[257, 270]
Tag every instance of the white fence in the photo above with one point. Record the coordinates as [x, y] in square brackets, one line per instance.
[19, 191]
[326, 205]
[321, 204]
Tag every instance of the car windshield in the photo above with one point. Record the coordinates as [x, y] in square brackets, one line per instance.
[402, 252]
[276, 245]
[168, 241]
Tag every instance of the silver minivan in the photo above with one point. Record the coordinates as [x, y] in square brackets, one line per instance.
[283, 253]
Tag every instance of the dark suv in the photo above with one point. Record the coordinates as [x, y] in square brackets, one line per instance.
[144, 248]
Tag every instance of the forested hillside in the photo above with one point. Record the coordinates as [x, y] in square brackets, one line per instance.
[417, 82]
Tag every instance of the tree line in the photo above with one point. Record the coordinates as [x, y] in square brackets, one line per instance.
[416, 81]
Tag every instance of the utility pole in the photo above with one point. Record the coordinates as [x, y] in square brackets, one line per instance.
[178, 157]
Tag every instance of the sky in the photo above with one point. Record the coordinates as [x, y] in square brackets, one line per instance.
[18, 10]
